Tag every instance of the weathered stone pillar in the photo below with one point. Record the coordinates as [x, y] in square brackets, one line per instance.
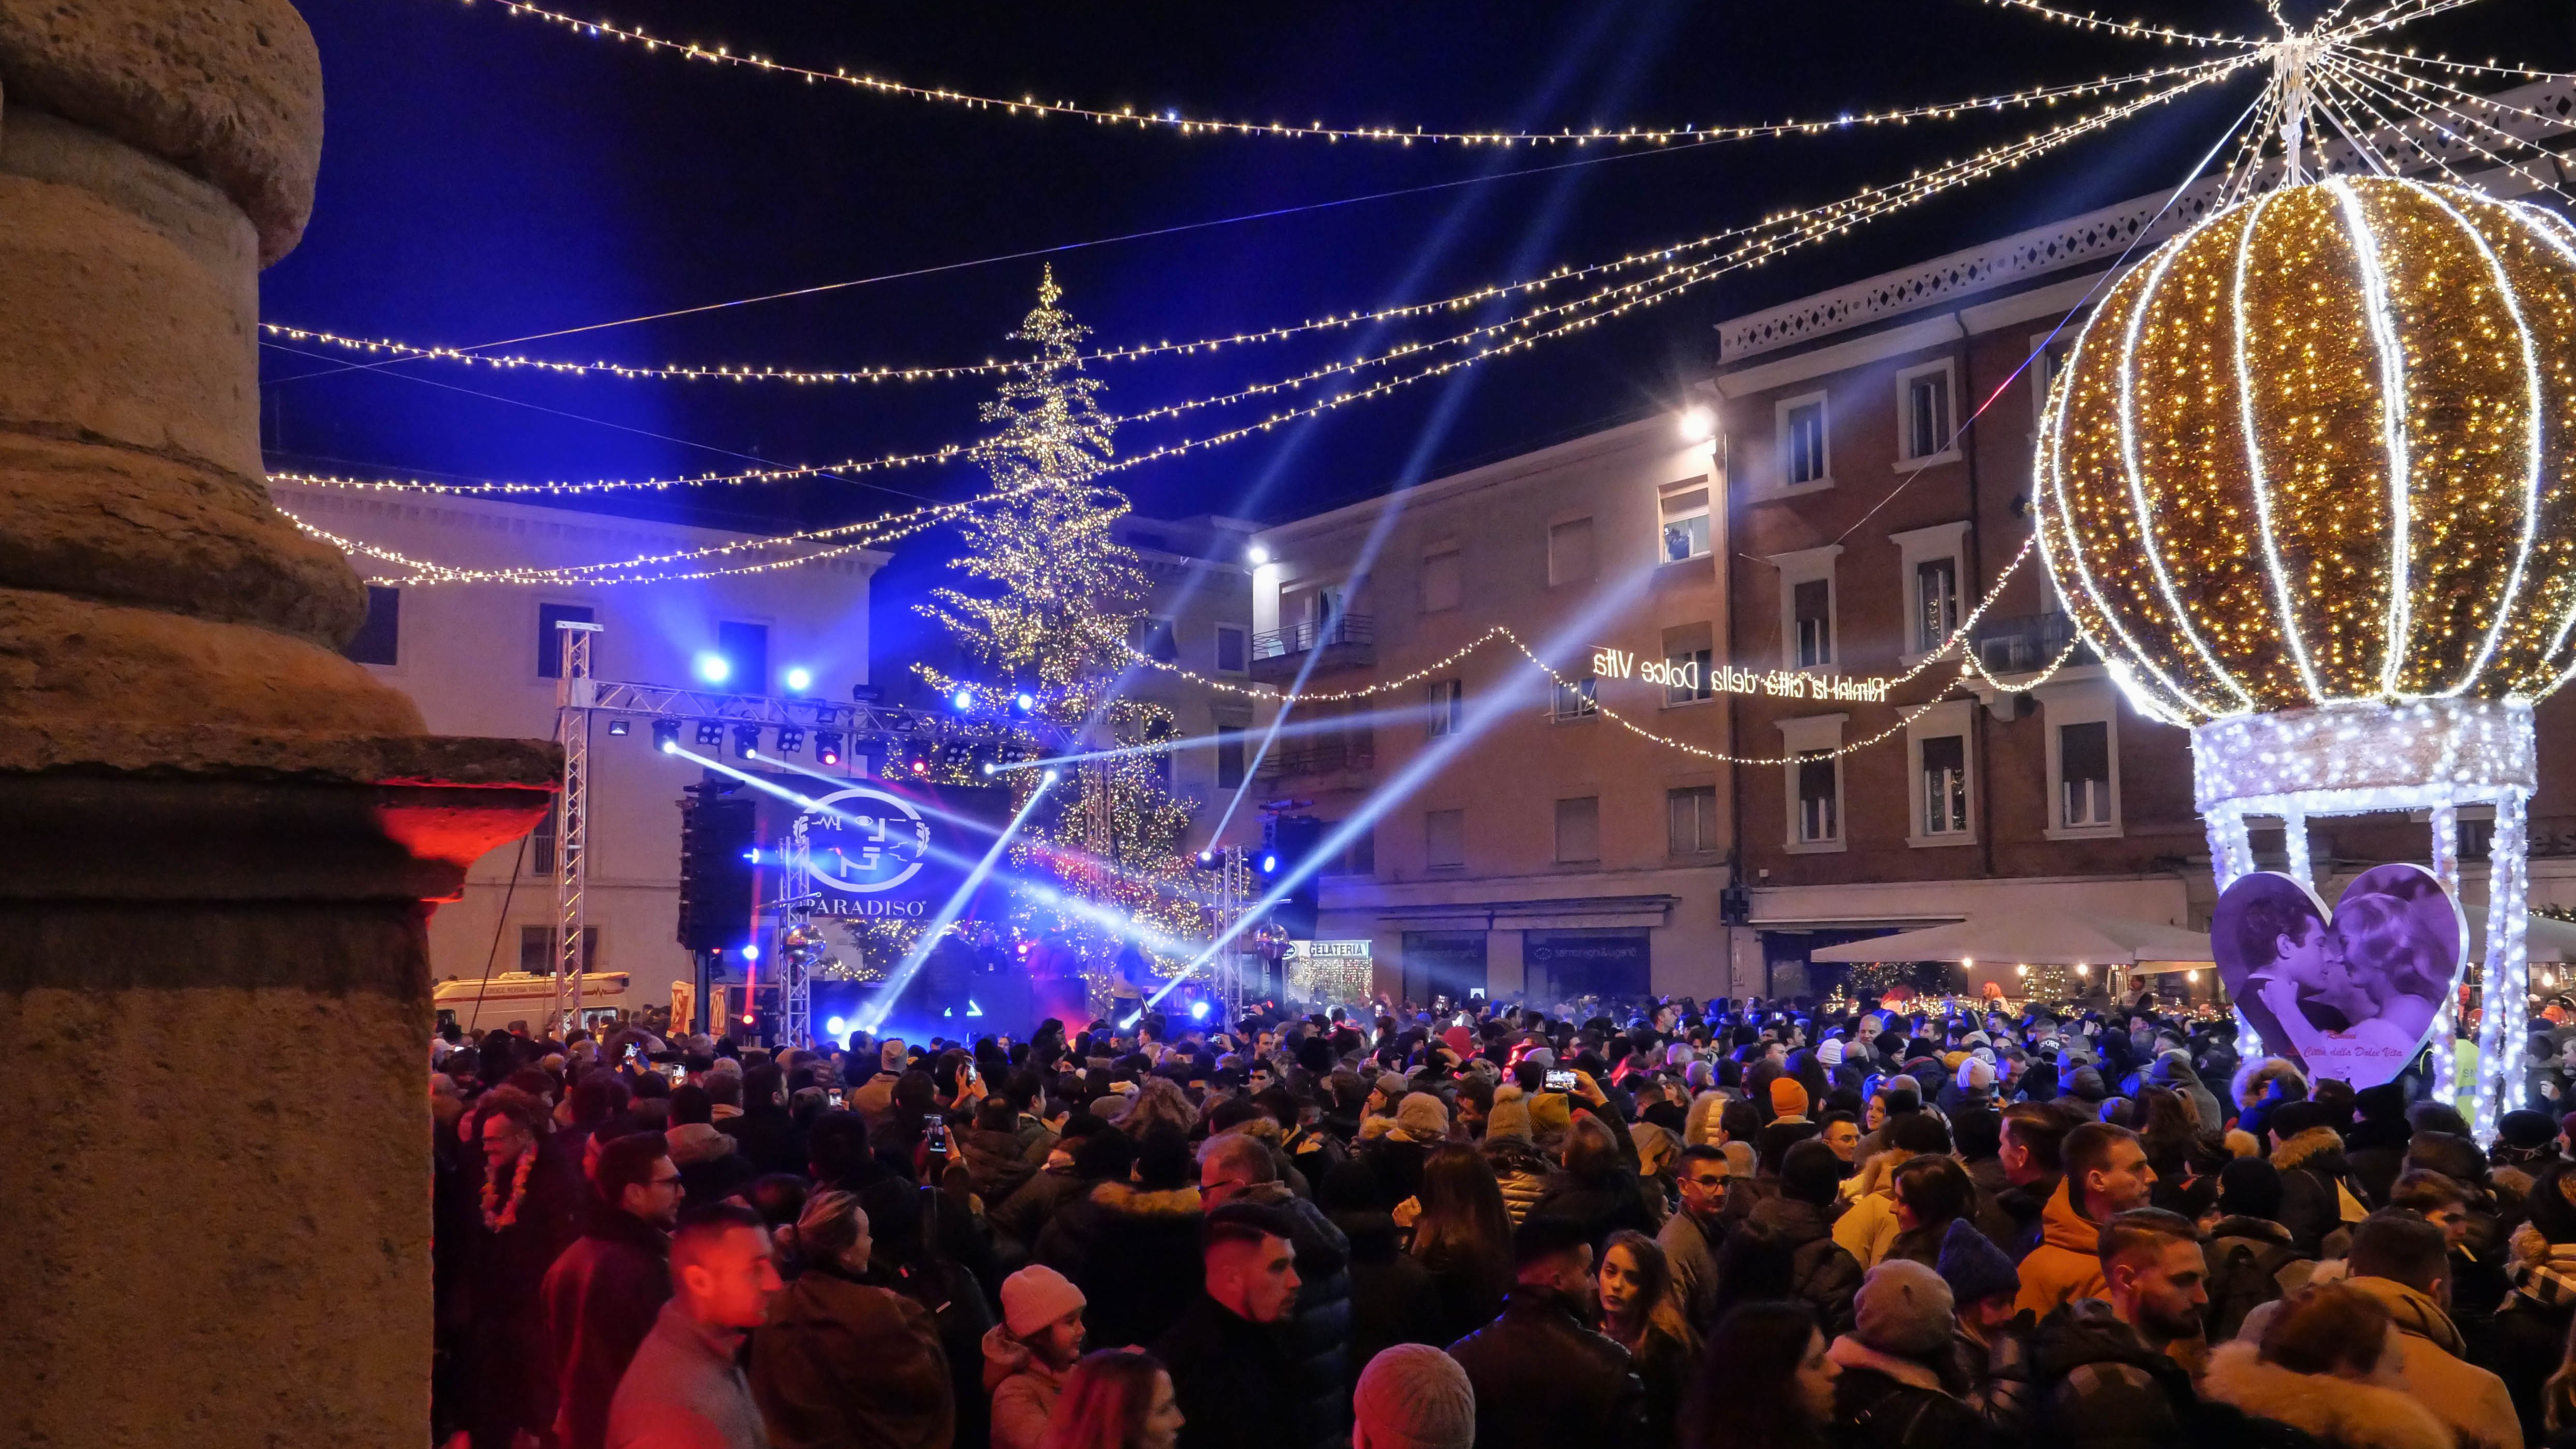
[216, 835]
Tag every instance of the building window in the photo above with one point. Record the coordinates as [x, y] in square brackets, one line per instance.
[1445, 701]
[1357, 858]
[1691, 819]
[1154, 640]
[1923, 427]
[1440, 580]
[1812, 610]
[550, 639]
[745, 648]
[1819, 798]
[1577, 698]
[1444, 839]
[1936, 603]
[1229, 756]
[1688, 672]
[1569, 552]
[1233, 648]
[537, 949]
[1803, 459]
[1578, 830]
[1945, 785]
[2084, 774]
[379, 640]
[1685, 523]
[542, 842]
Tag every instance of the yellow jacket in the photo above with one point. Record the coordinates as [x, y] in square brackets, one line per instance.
[2067, 1264]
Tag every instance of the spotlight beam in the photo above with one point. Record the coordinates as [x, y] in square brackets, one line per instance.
[1396, 715]
[949, 910]
[1482, 715]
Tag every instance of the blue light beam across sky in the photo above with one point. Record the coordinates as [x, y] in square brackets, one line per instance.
[1522, 689]
[1397, 715]
[903, 973]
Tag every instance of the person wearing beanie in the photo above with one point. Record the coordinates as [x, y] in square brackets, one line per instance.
[1413, 1396]
[1890, 1391]
[1551, 1113]
[2318, 1195]
[1519, 1168]
[874, 1100]
[1983, 1283]
[2526, 1139]
[1788, 1100]
[1422, 1118]
[1028, 1353]
[1390, 1089]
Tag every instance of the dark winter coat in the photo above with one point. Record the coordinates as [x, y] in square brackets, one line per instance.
[601, 1297]
[767, 1138]
[2252, 1261]
[1022, 1216]
[711, 1170]
[842, 1365]
[2100, 1388]
[1394, 1298]
[1319, 1332]
[1600, 1206]
[1235, 1381]
[996, 1162]
[2312, 1167]
[505, 1365]
[2026, 1208]
[1142, 1269]
[1886, 1402]
[1544, 1381]
[1822, 1274]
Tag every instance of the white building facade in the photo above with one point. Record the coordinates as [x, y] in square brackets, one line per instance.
[480, 659]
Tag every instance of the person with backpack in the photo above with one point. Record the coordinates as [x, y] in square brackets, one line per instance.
[2252, 1258]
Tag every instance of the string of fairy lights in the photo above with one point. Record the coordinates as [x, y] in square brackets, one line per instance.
[1032, 107]
[1765, 240]
[1958, 640]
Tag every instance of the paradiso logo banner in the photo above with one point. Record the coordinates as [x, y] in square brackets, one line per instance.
[1688, 675]
[875, 849]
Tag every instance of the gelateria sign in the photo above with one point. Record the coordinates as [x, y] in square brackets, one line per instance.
[1688, 674]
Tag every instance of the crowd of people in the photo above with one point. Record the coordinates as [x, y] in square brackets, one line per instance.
[1666, 1225]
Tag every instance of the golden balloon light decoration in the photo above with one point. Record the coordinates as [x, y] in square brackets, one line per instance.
[2300, 483]
[2307, 453]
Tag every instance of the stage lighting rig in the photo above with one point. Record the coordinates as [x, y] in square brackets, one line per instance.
[790, 739]
[746, 741]
[617, 728]
[827, 747]
[666, 735]
[710, 735]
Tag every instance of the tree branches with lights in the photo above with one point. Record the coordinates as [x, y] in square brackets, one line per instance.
[1051, 604]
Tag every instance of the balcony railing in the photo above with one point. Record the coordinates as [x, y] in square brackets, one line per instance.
[2022, 643]
[1323, 755]
[1315, 634]
[1346, 641]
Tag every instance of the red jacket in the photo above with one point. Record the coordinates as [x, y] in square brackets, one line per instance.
[601, 1297]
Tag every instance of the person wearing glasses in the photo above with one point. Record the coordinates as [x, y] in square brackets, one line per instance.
[601, 1296]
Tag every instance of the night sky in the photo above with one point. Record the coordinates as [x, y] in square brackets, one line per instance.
[488, 177]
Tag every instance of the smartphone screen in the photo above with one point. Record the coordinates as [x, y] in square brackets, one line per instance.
[834, 1097]
[1560, 1081]
[678, 1072]
[937, 1139]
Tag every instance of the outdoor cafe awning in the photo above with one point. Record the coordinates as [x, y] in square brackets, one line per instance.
[2036, 937]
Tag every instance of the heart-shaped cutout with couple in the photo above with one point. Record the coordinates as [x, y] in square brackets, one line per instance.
[2349, 996]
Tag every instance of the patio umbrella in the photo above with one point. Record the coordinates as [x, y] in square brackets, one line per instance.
[2038, 937]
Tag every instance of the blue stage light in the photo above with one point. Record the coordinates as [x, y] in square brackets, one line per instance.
[962, 700]
[751, 952]
[800, 680]
[835, 1027]
[1198, 1011]
[714, 668]
[1026, 701]
[1269, 864]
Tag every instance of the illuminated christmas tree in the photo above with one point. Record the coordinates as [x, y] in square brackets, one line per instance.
[1050, 608]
